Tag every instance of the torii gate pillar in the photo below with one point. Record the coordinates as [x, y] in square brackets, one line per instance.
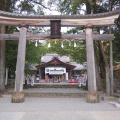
[92, 96]
[18, 95]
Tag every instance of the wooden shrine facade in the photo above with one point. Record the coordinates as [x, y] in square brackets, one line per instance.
[86, 21]
[55, 68]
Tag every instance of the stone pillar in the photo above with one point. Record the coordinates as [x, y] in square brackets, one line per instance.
[92, 96]
[18, 96]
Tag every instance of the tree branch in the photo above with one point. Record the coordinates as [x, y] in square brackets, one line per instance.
[40, 4]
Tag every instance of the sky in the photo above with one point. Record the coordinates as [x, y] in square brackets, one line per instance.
[53, 12]
[48, 12]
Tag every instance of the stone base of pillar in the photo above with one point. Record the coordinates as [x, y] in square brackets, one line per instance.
[92, 97]
[17, 97]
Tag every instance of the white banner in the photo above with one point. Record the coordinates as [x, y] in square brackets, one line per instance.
[55, 70]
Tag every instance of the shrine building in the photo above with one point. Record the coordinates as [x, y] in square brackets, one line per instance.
[56, 68]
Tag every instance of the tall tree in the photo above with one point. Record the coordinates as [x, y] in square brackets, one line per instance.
[32, 52]
[7, 5]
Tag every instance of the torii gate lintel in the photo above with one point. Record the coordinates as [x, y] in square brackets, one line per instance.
[81, 36]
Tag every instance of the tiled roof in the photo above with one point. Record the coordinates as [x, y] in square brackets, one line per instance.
[64, 59]
[55, 59]
[48, 57]
[78, 66]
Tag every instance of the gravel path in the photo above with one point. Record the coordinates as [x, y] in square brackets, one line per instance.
[52, 90]
[56, 109]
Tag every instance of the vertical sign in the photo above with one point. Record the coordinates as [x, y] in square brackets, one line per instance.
[55, 29]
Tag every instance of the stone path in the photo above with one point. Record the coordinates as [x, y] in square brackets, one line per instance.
[56, 109]
[53, 90]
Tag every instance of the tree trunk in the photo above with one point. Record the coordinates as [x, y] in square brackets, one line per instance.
[98, 78]
[107, 82]
[88, 7]
[5, 6]
[101, 63]
[2, 62]
[111, 55]
[103, 54]
[106, 64]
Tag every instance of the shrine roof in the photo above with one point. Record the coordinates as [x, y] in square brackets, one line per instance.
[48, 57]
[55, 59]
[78, 66]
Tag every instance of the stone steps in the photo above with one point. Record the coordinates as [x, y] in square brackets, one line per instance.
[53, 91]
[53, 86]
[55, 95]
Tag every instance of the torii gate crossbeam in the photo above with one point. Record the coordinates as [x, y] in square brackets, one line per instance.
[30, 36]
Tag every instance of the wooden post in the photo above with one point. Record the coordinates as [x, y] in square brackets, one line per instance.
[92, 96]
[111, 57]
[18, 96]
[107, 82]
[2, 61]
[6, 76]
[70, 74]
[111, 69]
[39, 74]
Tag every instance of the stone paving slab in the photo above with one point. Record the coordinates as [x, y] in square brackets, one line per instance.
[56, 109]
[54, 104]
[65, 115]
[55, 90]
[51, 90]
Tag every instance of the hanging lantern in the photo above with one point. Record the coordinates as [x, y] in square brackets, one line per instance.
[49, 45]
[75, 44]
[36, 44]
[62, 46]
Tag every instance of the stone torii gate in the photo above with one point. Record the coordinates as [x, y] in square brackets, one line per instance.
[86, 21]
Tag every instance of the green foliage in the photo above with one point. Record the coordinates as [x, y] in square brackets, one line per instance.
[26, 6]
[33, 53]
[71, 7]
[116, 42]
[7, 5]
[11, 54]
[77, 53]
